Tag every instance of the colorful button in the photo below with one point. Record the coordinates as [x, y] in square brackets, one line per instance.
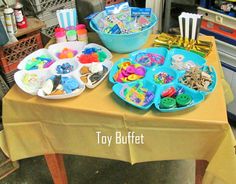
[183, 100]
[167, 103]
[169, 92]
[128, 72]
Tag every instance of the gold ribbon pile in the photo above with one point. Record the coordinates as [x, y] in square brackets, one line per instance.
[200, 47]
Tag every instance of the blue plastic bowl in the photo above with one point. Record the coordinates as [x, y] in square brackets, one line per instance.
[123, 43]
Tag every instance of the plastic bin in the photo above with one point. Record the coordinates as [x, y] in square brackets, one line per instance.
[12, 54]
[123, 43]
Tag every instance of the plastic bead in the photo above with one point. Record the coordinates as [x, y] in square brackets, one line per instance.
[64, 68]
[163, 78]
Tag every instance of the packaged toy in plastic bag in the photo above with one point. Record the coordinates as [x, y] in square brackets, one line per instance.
[122, 19]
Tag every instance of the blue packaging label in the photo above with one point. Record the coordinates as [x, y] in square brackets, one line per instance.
[115, 30]
[141, 12]
[116, 8]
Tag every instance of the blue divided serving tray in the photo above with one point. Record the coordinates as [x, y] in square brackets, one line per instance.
[167, 66]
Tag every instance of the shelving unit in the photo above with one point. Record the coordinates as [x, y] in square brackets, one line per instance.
[225, 42]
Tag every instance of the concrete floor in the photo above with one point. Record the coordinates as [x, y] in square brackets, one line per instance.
[86, 170]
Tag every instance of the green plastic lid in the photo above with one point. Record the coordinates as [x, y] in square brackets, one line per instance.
[167, 103]
[71, 33]
[183, 100]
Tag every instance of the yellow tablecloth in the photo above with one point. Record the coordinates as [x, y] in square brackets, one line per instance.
[35, 126]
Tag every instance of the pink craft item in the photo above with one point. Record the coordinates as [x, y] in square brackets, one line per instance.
[74, 52]
[140, 71]
[120, 76]
[125, 73]
[130, 69]
[46, 65]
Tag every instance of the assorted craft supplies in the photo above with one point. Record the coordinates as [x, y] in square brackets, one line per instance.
[179, 64]
[90, 55]
[149, 59]
[121, 19]
[197, 78]
[172, 80]
[40, 62]
[62, 76]
[174, 97]
[93, 73]
[58, 85]
[64, 68]
[163, 78]
[128, 72]
[71, 33]
[137, 94]
[66, 53]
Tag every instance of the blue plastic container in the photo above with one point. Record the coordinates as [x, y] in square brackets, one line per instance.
[148, 80]
[123, 43]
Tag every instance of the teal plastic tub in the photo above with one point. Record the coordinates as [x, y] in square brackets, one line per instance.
[123, 43]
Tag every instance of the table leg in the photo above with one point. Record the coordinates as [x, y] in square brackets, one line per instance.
[56, 167]
[201, 166]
